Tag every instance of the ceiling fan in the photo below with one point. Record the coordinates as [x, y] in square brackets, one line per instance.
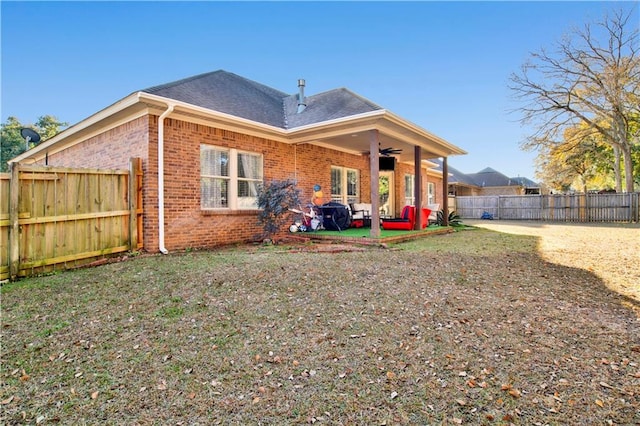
[389, 151]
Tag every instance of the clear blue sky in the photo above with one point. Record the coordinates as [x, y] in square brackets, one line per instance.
[441, 65]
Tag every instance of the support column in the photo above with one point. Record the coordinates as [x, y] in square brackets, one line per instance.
[374, 167]
[445, 192]
[417, 190]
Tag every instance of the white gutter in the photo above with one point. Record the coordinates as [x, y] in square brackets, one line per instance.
[169, 110]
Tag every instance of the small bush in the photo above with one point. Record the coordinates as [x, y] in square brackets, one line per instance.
[454, 219]
[275, 198]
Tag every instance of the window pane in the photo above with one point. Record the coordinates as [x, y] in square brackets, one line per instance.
[336, 181]
[431, 196]
[408, 185]
[213, 162]
[249, 166]
[247, 188]
[409, 190]
[214, 193]
[352, 183]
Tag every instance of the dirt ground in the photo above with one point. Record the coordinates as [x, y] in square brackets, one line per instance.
[611, 251]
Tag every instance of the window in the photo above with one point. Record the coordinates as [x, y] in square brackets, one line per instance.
[431, 193]
[229, 178]
[409, 190]
[345, 184]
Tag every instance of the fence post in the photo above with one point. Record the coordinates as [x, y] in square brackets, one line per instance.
[134, 170]
[14, 225]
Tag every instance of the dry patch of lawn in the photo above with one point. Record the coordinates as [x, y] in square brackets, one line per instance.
[467, 328]
[609, 250]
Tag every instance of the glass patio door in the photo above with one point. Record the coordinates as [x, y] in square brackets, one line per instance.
[386, 194]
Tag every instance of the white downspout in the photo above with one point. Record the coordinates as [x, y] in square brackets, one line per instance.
[169, 110]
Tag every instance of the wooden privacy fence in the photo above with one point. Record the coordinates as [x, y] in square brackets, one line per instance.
[561, 208]
[57, 218]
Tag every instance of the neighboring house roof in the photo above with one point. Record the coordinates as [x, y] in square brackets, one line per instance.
[487, 177]
[455, 175]
[526, 182]
[491, 177]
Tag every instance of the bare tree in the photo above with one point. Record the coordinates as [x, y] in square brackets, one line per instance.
[591, 78]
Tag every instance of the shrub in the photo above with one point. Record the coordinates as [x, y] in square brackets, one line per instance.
[275, 198]
[454, 219]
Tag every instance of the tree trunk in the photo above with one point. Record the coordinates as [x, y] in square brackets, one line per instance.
[616, 167]
[628, 168]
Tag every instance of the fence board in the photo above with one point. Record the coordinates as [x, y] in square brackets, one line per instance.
[556, 207]
[66, 217]
[5, 181]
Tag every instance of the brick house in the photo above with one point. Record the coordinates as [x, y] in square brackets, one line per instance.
[207, 141]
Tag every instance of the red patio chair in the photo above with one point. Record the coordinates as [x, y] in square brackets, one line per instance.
[407, 219]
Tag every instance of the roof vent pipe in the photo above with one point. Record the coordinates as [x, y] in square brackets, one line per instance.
[302, 102]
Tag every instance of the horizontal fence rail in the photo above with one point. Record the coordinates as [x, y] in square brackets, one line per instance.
[561, 208]
[55, 218]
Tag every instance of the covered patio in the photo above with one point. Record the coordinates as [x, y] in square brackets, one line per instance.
[372, 133]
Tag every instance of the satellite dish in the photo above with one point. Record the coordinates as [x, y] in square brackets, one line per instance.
[29, 135]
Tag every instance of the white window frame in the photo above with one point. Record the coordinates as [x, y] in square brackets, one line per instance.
[409, 189]
[431, 193]
[343, 195]
[234, 200]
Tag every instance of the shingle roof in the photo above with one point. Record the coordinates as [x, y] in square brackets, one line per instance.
[455, 175]
[229, 93]
[325, 106]
[491, 177]
[526, 182]
[485, 177]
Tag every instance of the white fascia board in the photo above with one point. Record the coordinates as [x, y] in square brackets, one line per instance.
[425, 133]
[338, 121]
[70, 131]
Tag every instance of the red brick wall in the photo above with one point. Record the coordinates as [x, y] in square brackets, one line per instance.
[188, 226]
[109, 150]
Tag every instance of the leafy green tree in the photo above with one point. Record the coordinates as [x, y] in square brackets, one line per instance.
[13, 144]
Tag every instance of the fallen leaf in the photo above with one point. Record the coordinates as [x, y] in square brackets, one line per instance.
[162, 385]
[514, 393]
[505, 387]
[599, 403]
[7, 401]
[461, 402]
[391, 375]
[94, 395]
